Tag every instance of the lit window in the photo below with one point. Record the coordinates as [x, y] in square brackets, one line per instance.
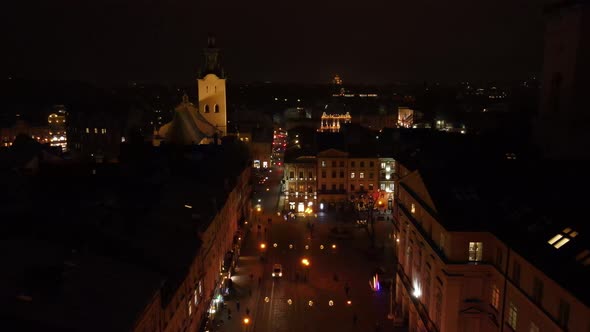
[564, 237]
[475, 251]
[361, 175]
[196, 297]
[87, 130]
[352, 175]
[512, 316]
[190, 308]
[323, 163]
[382, 165]
[495, 301]
[413, 208]
[96, 130]
[534, 327]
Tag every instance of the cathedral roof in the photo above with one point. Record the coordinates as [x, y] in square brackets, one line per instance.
[188, 126]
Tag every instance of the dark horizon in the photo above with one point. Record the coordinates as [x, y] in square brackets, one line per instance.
[109, 43]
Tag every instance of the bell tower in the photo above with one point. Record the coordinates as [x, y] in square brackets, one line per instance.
[211, 88]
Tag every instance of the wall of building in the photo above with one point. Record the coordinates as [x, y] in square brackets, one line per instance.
[462, 295]
[212, 101]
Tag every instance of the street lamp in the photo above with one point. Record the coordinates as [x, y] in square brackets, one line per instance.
[306, 263]
[246, 320]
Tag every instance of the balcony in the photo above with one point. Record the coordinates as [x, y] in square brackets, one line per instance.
[420, 309]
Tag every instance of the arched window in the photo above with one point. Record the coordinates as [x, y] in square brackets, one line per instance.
[206, 108]
[216, 108]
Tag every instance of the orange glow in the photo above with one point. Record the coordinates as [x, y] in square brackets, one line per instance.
[262, 245]
[305, 261]
[246, 320]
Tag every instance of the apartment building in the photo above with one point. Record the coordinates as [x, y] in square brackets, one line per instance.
[479, 255]
[300, 181]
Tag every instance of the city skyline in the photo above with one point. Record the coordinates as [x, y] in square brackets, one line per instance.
[109, 43]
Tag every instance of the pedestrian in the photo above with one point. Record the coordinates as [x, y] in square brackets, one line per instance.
[238, 306]
[354, 318]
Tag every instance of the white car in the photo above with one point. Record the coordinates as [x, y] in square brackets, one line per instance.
[277, 270]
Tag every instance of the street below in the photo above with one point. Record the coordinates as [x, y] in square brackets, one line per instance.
[325, 280]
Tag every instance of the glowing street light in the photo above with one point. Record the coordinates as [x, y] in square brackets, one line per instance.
[263, 246]
[305, 262]
[246, 320]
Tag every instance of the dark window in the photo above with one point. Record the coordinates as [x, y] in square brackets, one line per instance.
[323, 187]
[333, 174]
[310, 175]
[323, 174]
[216, 108]
[499, 257]
[370, 175]
[352, 187]
[291, 175]
[341, 174]
[300, 175]
[352, 164]
[333, 163]
[341, 164]
[334, 187]
[206, 108]
[309, 189]
[370, 187]
[516, 274]
[341, 187]
[371, 164]
[362, 164]
[537, 290]
[564, 313]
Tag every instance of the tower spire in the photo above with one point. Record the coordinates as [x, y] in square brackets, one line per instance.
[211, 53]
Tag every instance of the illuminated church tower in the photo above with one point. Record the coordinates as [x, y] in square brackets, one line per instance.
[211, 89]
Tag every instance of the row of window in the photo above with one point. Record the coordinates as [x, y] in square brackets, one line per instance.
[352, 175]
[352, 187]
[215, 109]
[352, 164]
[562, 316]
[102, 130]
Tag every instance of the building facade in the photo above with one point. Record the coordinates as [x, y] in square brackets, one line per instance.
[454, 276]
[300, 184]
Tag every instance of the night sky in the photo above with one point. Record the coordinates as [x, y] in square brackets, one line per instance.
[370, 42]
